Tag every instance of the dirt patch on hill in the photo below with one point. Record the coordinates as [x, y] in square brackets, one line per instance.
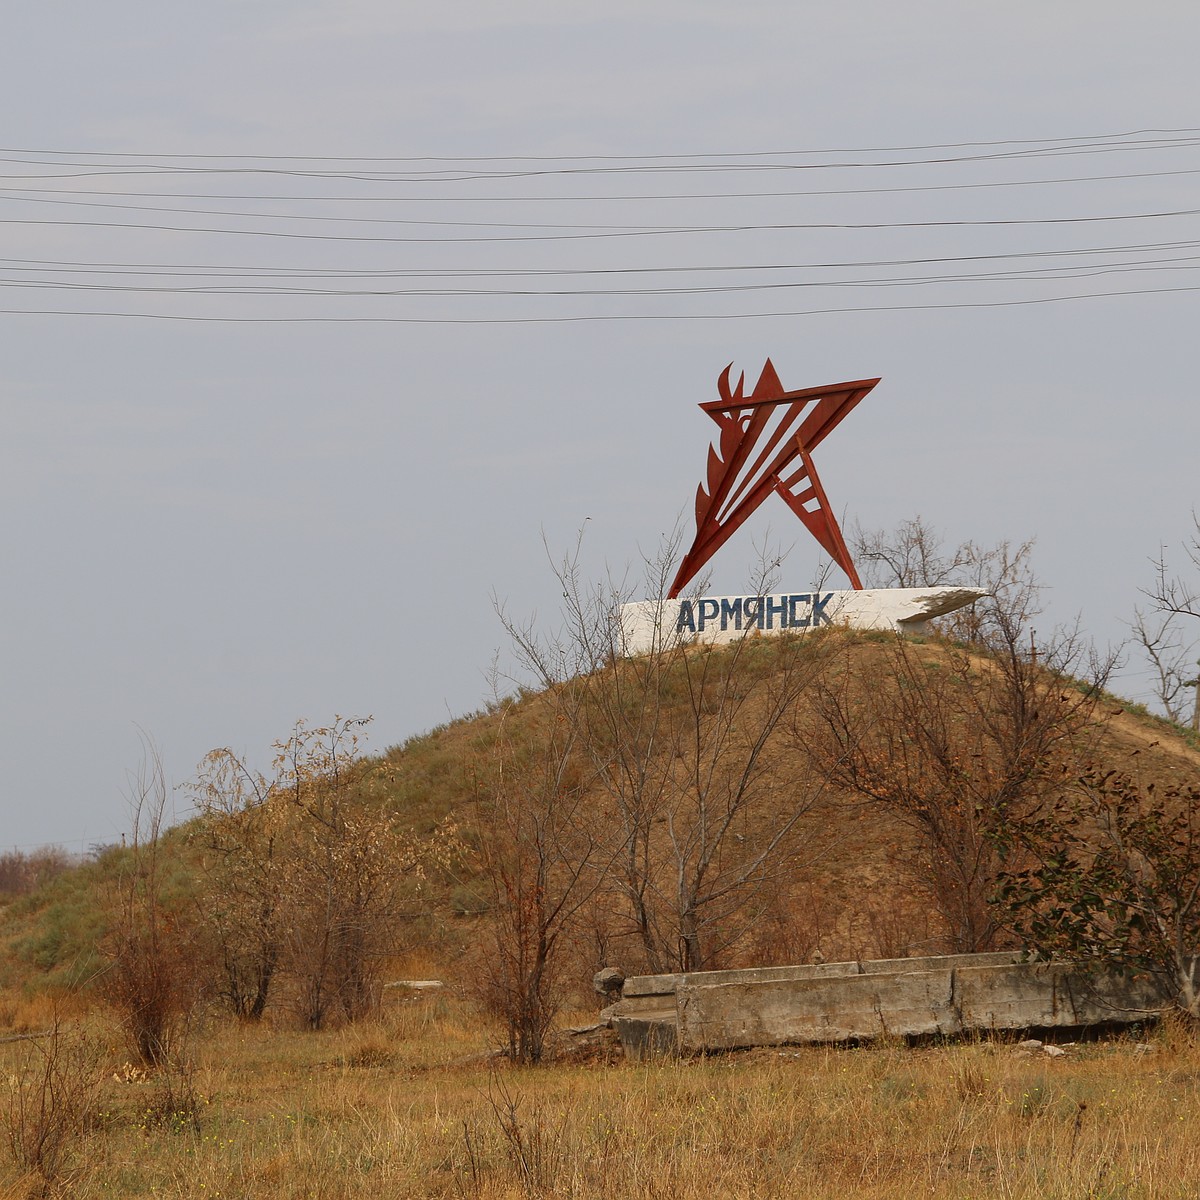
[1146, 751]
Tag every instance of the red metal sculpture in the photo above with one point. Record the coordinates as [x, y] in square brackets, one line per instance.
[736, 487]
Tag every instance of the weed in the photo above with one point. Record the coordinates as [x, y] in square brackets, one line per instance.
[970, 1083]
[51, 1097]
[534, 1148]
[175, 1104]
[1034, 1098]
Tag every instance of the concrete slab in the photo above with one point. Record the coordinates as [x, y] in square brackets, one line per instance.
[732, 1016]
[836, 1002]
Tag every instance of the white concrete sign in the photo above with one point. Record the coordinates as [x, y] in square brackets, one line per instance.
[724, 618]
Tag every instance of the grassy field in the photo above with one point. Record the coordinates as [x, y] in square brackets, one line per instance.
[413, 1105]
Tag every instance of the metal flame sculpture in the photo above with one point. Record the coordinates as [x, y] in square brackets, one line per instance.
[736, 486]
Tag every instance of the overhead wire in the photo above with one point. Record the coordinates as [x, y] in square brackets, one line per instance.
[607, 198]
[456, 272]
[523, 279]
[588, 317]
[41, 198]
[590, 233]
[628, 164]
[1025, 274]
[1126, 134]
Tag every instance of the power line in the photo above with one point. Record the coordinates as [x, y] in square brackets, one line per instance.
[1124, 135]
[1025, 274]
[629, 168]
[203, 269]
[605, 198]
[593, 235]
[252, 215]
[513, 271]
[593, 317]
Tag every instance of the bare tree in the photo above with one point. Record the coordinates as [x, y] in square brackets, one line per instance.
[1175, 602]
[154, 952]
[955, 744]
[729, 807]
[684, 743]
[911, 555]
[542, 854]
[914, 554]
[1170, 593]
[1171, 659]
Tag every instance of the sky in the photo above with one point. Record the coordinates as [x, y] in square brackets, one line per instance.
[469, 271]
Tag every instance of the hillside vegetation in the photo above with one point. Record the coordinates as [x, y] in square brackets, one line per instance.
[209, 1001]
[849, 874]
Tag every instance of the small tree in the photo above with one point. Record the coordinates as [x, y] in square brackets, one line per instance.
[244, 842]
[914, 555]
[1115, 881]
[540, 842]
[1166, 634]
[350, 873]
[309, 876]
[685, 744]
[955, 744]
[1171, 660]
[154, 952]
[338, 924]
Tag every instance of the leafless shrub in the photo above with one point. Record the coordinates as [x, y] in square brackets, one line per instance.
[914, 554]
[897, 930]
[1170, 657]
[174, 1104]
[154, 954]
[52, 1094]
[955, 744]
[683, 742]
[794, 926]
[534, 1149]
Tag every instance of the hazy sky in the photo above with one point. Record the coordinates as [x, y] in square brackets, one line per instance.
[216, 526]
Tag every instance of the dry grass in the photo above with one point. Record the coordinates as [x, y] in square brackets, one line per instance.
[412, 1106]
[24, 1012]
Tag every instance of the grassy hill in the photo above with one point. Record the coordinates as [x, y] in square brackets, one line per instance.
[843, 885]
[408, 1098]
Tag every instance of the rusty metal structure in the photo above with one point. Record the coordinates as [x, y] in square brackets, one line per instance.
[784, 427]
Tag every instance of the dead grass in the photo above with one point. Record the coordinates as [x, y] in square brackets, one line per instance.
[414, 1106]
[24, 1012]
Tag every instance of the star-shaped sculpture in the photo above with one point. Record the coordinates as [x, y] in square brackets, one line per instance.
[736, 486]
